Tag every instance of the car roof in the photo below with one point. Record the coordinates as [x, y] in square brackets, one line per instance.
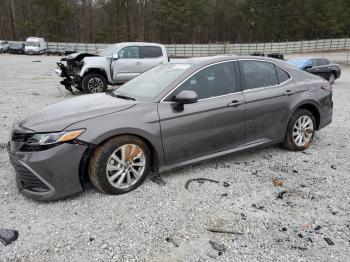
[199, 62]
[137, 44]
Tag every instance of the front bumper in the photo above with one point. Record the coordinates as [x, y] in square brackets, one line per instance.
[48, 175]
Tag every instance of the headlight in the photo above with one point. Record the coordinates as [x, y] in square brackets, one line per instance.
[53, 138]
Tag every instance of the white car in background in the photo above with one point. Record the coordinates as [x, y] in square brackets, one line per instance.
[4, 46]
[35, 46]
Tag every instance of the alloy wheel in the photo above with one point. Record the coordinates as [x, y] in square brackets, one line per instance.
[303, 130]
[95, 85]
[125, 166]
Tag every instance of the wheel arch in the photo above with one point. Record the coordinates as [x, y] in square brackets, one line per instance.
[89, 151]
[95, 71]
[310, 106]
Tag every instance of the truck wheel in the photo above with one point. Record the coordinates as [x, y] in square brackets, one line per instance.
[300, 131]
[94, 83]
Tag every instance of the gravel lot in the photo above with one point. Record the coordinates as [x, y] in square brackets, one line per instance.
[169, 222]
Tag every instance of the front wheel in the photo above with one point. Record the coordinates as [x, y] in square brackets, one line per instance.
[300, 131]
[119, 165]
[94, 83]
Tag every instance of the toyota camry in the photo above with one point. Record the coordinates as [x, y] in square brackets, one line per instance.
[173, 115]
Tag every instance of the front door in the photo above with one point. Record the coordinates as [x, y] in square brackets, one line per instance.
[128, 65]
[215, 123]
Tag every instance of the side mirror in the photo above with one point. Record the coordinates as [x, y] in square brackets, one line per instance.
[307, 67]
[115, 56]
[184, 97]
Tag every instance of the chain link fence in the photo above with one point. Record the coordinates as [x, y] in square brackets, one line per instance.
[196, 50]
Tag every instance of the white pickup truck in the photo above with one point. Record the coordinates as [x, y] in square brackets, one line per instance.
[117, 64]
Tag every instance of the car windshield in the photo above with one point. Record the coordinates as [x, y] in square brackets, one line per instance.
[150, 84]
[108, 52]
[35, 44]
[299, 62]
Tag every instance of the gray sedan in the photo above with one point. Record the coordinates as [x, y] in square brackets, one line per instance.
[172, 115]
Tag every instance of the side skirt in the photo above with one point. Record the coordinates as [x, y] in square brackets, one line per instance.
[259, 143]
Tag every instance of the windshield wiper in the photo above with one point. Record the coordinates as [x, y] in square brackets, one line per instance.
[123, 97]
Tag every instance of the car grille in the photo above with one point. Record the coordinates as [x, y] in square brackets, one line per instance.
[28, 180]
[21, 137]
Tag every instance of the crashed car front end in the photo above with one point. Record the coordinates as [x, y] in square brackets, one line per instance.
[71, 71]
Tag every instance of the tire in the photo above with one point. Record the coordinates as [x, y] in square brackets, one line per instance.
[119, 177]
[94, 83]
[307, 133]
[331, 78]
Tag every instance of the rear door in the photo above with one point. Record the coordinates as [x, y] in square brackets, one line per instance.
[215, 123]
[267, 88]
[151, 56]
[128, 65]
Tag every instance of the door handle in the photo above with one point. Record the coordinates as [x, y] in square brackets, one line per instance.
[289, 93]
[138, 63]
[236, 103]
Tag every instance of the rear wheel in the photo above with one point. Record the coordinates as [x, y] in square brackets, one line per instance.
[120, 165]
[300, 131]
[94, 83]
[331, 78]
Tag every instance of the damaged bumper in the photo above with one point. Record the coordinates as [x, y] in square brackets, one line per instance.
[49, 174]
[70, 78]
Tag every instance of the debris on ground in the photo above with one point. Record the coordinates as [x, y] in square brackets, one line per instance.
[225, 184]
[200, 180]
[281, 194]
[329, 241]
[299, 248]
[35, 94]
[218, 247]
[258, 206]
[158, 180]
[224, 231]
[318, 228]
[7, 236]
[334, 167]
[277, 181]
[171, 240]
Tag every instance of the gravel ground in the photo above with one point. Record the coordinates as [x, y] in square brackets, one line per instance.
[308, 221]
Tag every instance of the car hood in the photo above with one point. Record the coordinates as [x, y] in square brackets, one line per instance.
[60, 115]
[101, 60]
[78, 56]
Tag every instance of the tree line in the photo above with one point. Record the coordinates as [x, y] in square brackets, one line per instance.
[174, 21]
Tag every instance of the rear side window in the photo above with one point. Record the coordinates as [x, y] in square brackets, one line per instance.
[129, 52]
[322, 62]
[213, 81]
[258, 74]
[151, 52]
[283, 76]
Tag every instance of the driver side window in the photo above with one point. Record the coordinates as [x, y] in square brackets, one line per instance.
[129, 52]
[215, 80]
